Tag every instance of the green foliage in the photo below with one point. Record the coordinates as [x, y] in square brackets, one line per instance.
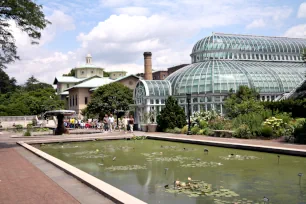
[177, 130]
[18, 126]
[7, 84]
[252, 120]
[184, 130]
[106, 74]
[31, 99]
[71, 73]
[243, 131]
[208, 131]
[27, 133]
[195, 130]
[138, 137]
[203, 124]
[267, 131]
[297, 108]
[300, 134]
[28, 17]
[29, 126]
[171, 116]
[243, 102]
[108, 98]
[203, 115]
[217, 124]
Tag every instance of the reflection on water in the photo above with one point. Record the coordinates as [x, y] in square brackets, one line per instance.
[147, 169]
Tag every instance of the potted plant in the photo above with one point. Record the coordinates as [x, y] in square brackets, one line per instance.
[152, 126]
[144, 122]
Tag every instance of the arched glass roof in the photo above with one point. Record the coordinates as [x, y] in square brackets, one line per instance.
[158, 88]
[219, 76]
[219, 45]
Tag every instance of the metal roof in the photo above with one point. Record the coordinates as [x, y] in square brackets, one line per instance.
[67, 79]
[94, 82]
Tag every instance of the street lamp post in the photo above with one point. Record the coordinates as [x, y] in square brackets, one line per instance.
[188, 113]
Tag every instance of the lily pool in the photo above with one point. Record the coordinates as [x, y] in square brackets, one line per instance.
[171, 172]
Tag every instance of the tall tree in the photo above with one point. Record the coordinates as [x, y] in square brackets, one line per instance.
[32, 84]
[108, 98]
[71, 73]
[7, 84]
[28, 17]
[171, 116]
[245, 100]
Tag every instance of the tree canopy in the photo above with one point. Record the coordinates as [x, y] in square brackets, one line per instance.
[108, 98]
[7, 84]
[171, 116]
[32, 98]
[28, 17]
[244, 101]
[71, 73]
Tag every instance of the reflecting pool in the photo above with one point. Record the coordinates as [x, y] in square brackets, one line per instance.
[171, 172]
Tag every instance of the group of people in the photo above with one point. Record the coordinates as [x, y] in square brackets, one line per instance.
[107, 124]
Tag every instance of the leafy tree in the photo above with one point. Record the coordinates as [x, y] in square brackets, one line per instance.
[71, 73]
[33, 84]
[243, 102]
[108, 98]
[171, 116]
[28, 17]
[7, 84]
[32, 99]
[106, 74]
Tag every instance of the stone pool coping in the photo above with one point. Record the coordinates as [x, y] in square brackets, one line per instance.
[252, 147]
[113, 193]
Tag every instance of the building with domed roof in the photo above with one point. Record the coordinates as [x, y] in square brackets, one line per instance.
[221, 62]
[77, 90]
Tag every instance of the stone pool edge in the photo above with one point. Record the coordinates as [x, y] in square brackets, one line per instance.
[111, 192]
[268, 149]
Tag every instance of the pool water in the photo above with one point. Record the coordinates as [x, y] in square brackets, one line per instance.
[147, 169]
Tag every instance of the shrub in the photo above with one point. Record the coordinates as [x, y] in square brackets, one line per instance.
[203, 124]
[204, 115]
[184, 129]
[201, 132]
[300, 134]
[286, 117]
[29, 126]
[18, 126]
[172, 115]
[177, 130]
[169, 130]
[243, 131]
[208, 131]
[27, 133]
[195, 130]
[267, 131]
[217, 124]
[253, 121]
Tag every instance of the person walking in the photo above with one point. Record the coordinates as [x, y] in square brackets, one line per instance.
[111, 122]
[106, 121]
[131, 123]
[124, 123]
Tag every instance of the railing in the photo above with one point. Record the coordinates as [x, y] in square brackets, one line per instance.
[17, 118]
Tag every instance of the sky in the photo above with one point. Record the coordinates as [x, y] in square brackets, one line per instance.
[117, 32]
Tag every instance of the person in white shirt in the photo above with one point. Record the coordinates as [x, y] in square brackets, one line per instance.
[124, 123]
[111, 122]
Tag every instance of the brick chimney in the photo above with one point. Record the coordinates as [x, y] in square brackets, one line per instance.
[147, 65]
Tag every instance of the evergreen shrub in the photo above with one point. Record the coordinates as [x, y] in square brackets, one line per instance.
[171, 116]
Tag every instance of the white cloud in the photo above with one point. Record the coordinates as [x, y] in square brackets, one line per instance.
[258, 23]
[35, 59]
[166, 28]
[137, 11]
[302, 11]
[298, 31]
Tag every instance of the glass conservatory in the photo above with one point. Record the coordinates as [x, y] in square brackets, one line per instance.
[221, 62]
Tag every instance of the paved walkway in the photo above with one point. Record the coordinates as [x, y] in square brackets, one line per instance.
[21, 182]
